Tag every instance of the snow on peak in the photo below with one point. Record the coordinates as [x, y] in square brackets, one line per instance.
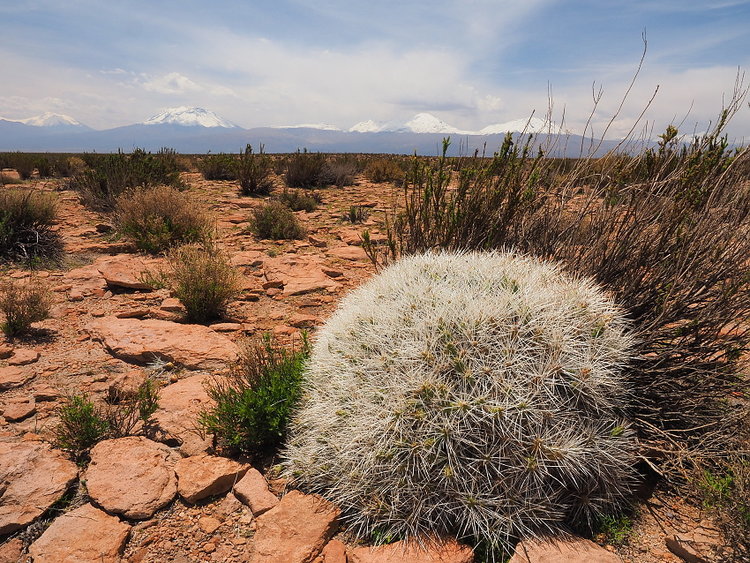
[321, 126]
[428, 123]
[49, 119]
[190, 117]
[368, 126]
[533, 125]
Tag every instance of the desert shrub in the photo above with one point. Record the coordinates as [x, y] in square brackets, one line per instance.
[300, 200]
[253, 405]
[670, 246]
[357, 214]
[477, 395]
[305, 169]
[44, 166]
[254, 172]
[82, 423]
[219, 166]
[111, 175]
[384, 170]
[24, 163]
[275, 221]
[26, 220]
[160, 217]
[338, 172]
[23, 304]
[202, 278]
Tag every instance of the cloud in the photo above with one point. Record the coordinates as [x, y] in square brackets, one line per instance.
[172, 83]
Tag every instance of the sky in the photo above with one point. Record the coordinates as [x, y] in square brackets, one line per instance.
[471, 63]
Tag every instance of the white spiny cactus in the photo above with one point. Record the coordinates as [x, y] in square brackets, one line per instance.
[474, 394]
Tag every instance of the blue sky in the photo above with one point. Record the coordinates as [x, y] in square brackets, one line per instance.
[471, 63]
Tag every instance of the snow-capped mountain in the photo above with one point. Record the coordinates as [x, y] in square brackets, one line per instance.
[428, 123]
[368, 126]
[321, 126]
[533, 125]
[189, 117]
[49, 119]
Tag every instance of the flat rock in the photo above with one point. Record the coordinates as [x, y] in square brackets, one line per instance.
[23, 357]
[574, 550]
[84, 281]
[11, 551]
[126, 385]
[143, 341]
[251, 258]
[132, 476]
[297, 274]
[348, 253]
[33, 476]
[333, 552]
[18, 410]
[252, 490]
[83, 535]
[447, 552]
[13, 376]
[124, 271]
[5, 351]
[177, 416]
[204, 475]
[295, 531]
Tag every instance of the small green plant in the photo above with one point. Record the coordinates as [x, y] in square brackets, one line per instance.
[161, 217]
[123, 414]
[357, 214]
[219, 166]
[614, 529]
[82, 424]
[26, 220]
[305, 169]
[23, 304]
[275, 221]
[254, 404]
[254, 172]
[202, 278]
[300, 200]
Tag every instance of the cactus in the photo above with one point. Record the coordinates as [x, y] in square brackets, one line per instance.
[473, 394]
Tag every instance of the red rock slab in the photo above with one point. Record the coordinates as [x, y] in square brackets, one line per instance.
[298, 274]
[132, 476]
[573, 550]
[447, 552]
[33, 477]
[12, 376]
[124, 271]
[83, 535]
[348, 253]
[295, 531]
[23, 356]
[142, 341]
[333, 552]
[15, 411]
[177, 416]
[252, 490]
[204, 475]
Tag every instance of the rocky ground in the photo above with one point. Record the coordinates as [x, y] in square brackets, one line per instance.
[173, 499]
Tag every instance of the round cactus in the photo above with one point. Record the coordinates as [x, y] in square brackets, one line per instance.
[472, 394]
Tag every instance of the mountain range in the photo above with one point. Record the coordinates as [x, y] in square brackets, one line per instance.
[197, 130]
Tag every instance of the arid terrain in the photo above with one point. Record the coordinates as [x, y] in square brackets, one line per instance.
[170, 502]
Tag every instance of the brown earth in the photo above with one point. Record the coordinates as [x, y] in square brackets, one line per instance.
[288, 286]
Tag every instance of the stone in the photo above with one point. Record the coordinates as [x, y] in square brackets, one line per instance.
[575, 550]
[13, 376]
[33, 476]
[300, 320]
[248, 258]
[132, 476]
[252, 490]
[209, 524]
[143, 341]
[124, 271]
[83, 535]
[333, 552]
[298, 274]
[205, 475]
[176, 418]
[18, 410]
[44, 393]
[23, 357]
[5, 351]
[11, 551]
[295, 531]
[172, 305]
[348, 253]
[84, 281]
[351, 236]
[317, 241]
[447, 552]
[126, 385]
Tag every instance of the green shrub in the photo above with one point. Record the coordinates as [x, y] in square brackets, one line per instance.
[254, 172]
[479, 395]
[300, 200]
[357, 214]
[23, 304]
[26, 220]
[202, 278]
[384, 170]
[111, 175]
[305, 169]
[218, 167]
[252, 406]
[275, 221]
[161, 217]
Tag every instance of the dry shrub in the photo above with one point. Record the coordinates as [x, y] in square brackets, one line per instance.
[384, 170]
[305, 169]
[666, 232]
[23, 304]
[26, 220]
[202, 278]
[276, 221]
[339, 172]
[300, 200]
[254, 172]
[219, 166]
[161, 217]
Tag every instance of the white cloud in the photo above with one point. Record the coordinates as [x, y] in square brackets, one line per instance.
[172, 83]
